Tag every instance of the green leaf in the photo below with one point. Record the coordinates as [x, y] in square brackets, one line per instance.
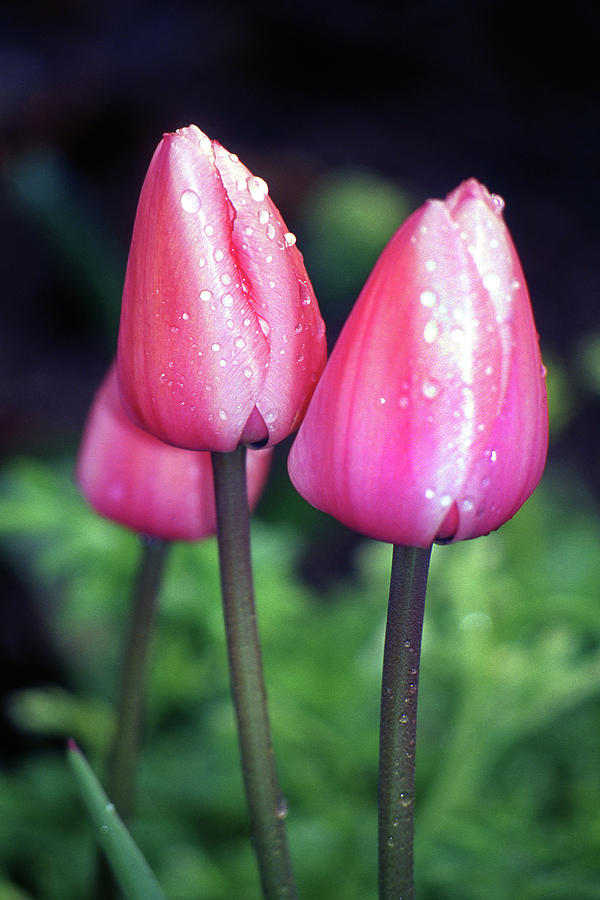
[125, 859]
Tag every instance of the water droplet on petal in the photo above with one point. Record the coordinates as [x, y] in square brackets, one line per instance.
[225, 278]
[430, 265]
[174, 329]
[446, 500]
[218, 255]
[428, 298]
[240, 343]
[271, 416]
[222, 415]
[263, 216]
[190, 201]
[499, 203]
[205, 295]
[270, 231]
[431, 331]
[247, 372]
[257, 187]
[467, 505]
[227, 300]
[298, 328]
[289, 238]
[430, 389]
[216, 347]
[491, 281]
[209, 230]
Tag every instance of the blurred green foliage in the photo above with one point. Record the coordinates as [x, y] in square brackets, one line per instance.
[507, 770]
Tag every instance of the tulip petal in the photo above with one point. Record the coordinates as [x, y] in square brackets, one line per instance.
[281, 295]
[131, 477]
[190, 352]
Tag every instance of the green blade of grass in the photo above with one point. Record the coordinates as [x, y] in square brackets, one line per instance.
[125, 859]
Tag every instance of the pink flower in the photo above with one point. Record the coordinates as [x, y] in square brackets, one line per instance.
[221, 340]
[133, 478]
[430, 420]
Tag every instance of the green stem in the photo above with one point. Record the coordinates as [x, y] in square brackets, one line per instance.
[399, 689]
[123, 755]
[247, 684]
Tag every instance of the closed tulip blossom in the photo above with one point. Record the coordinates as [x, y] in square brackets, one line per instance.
[430, 420]
[221, 341]
[131, 477]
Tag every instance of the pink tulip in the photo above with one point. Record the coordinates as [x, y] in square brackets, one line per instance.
[221, 340]
[133, 478]
[430, 421]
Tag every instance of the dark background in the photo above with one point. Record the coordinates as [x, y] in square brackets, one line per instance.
[422, 94]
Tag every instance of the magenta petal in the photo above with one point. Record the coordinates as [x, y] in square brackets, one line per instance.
[131, 477]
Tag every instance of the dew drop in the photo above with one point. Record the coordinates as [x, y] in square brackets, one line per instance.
[174, 329]
[494, 243]
[222, 415]
[492, 456]
[491, 281]
[390, 841]
[407, 644]
[488, 370]
[269, 258]
[240, 343]
[227, 300]
[403, 719]
[218, 255]
[428, 299]
[430, 332]
[446, 500]
[263, 216]
[270, 232]
[104, 829]
[298, 328]
[430, 265]
[405, 800]
[225, 278]
[247, 372]
[264, 325]
[209, 230]
[467, 505]
[216, 347]
[289, 238]
[271, 416]
[110, 807]
[185, 316]
[382, 400]
[544, 371]
[205, 295]
[190, 201]
[222, 363]
[499, 203]
[249, 230]
[257, 187]
[430, 389]
[201, 262]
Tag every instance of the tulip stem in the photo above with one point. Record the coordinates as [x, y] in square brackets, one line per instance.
[399, 688]
[124, 752]
[247, 684]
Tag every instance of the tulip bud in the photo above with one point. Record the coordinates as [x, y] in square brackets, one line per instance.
[133, 478]
[221, 340]
[430, 421]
